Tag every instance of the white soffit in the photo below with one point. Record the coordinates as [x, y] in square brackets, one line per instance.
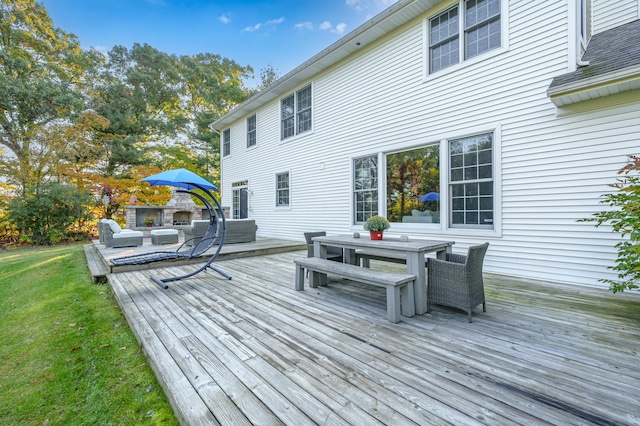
[605, 85]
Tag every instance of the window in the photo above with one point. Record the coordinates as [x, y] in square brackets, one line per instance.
[240, 199]
[282, 189]
[365, 187]
[296, 113]
[471, 181]
[251, 131]
[585, 22]
[226, 142]
[481, 32]
[411, 175]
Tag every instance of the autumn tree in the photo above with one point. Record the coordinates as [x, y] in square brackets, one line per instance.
[42, 77]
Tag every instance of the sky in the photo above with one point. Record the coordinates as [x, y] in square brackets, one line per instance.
[281, 33]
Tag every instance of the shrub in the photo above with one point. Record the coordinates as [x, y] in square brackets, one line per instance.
[624, 218]
[49, 216]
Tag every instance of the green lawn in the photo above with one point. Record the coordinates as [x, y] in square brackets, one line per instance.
[67, 355]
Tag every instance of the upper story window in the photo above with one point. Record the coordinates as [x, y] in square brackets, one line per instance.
[226, 142]
[585, 23]
[453, 40]
[296, 113]
[251, 131]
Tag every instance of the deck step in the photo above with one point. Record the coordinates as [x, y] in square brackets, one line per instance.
[97, 266]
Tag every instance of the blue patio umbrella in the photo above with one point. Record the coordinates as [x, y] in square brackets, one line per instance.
[182, 178]
[431, 196]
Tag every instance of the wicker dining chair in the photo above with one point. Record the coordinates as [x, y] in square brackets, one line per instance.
[457, 281]
[333, 253]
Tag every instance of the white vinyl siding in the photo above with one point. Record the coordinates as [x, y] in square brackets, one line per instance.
[550, 167]
[609, 14]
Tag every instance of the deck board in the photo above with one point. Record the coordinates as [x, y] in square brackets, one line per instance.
[255, 351]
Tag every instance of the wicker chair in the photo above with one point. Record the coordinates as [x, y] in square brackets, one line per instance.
[115, 237]
[333, 253]
[457, 281]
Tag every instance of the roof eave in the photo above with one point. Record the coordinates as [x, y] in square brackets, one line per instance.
[596, 87]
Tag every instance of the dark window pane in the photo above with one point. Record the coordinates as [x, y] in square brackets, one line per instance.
[486, 188]
[486, 203]
[471, 218]
[471, 159]
[486, 218]
[457, 175]
[471, 173]
[457, 204]
[472, 203]
[484, 172]
[457, 218]
[471, 190]
[484, 157]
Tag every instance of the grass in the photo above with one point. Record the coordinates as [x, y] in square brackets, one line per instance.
[67, 354]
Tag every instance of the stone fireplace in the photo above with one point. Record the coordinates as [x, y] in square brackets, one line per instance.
[180, 210]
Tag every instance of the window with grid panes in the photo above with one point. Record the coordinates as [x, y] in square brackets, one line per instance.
[471, 181]
[480, 32]
[296, 113]
[282, 189]
[226, 142]
[251, 131]
[365, 191]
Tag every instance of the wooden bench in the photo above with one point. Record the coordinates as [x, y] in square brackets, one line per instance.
[399, 286]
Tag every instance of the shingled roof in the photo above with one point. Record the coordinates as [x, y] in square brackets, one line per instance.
[614, 66]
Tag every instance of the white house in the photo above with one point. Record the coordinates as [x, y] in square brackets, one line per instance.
[493, 104]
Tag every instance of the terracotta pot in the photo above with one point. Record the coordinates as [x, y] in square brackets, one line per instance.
[375, 235]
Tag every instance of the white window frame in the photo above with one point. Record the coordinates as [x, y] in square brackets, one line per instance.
[226, 142]
[462, 61]
[279, 189]
[444, 227]
[376, 188]
[252, 133]
[237, 188]
[463, 168]
[297, 113]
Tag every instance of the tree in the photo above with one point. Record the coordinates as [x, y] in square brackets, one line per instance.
[624, 217]
[42, 72]
[212, 85]
[268, 75]
[139, 93]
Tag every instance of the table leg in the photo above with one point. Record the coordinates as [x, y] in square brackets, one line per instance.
[442, 254]
[415, 266]
[319, 251]
[349, 256]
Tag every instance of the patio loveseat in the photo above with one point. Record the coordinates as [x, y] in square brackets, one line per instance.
[238, 231]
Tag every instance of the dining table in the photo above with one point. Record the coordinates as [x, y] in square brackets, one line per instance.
[412, 249]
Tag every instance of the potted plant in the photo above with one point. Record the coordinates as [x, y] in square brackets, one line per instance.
[376, 226]
[148, 221]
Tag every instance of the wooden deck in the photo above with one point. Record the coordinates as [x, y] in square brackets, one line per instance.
[254, 351]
